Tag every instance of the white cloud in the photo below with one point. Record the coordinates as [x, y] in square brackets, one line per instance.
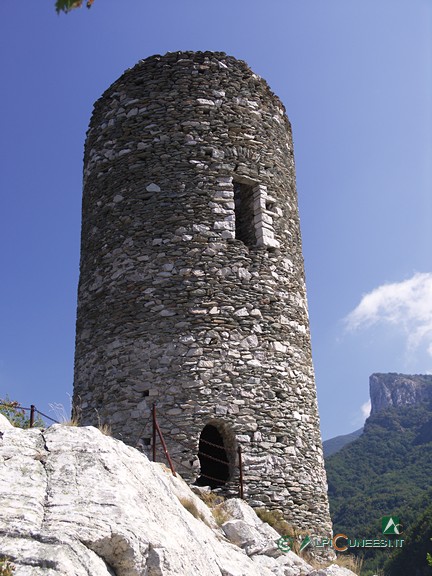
[406, 306]
[365, 409]
[361, 414]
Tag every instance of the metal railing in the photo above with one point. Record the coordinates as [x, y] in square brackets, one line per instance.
[33, 411]
[156, 431]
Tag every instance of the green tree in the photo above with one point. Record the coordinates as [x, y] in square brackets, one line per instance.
[68, 5]
[411, 559]
[17, 415]
[385, 471]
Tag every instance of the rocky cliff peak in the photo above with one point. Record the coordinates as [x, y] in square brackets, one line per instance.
[393, 390]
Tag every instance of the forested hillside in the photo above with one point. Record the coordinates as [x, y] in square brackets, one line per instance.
[387, 471]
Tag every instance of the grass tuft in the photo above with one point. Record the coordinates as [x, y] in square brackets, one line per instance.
[211, 499]
[353, 563]
[221, 516]
[191, 507]
[71, 422]
[277, 521]
[105, 429]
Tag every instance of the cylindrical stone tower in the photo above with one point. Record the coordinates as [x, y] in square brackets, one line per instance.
[192, 292]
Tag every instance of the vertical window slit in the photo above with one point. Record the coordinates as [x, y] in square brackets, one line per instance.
[244, 214]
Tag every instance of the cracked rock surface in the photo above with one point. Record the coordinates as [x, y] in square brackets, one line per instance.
[75, 502]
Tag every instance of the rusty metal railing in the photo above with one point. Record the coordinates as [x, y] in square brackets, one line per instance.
[238, 451]
[33, 410]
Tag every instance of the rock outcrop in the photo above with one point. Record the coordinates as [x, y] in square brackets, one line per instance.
[394, 390]
[75, 502]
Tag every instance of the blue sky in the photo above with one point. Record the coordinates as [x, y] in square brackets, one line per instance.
[356, 80]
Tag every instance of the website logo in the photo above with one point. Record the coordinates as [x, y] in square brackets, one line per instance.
[341, 542]
[306, 542]
[391, 525]
[285, 543]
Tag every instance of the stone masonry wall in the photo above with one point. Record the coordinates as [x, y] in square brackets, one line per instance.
[192, 290]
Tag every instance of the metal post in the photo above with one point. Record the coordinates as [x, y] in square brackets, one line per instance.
[32, 414]
[165, 449]
[154, 431]
[239, 450]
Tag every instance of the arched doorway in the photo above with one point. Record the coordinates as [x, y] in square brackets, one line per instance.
[215, 466]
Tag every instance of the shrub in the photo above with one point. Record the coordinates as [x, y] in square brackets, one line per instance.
[6, 567]
[17, 415]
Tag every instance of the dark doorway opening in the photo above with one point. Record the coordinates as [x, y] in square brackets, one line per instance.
[244, 214]
[213, 458]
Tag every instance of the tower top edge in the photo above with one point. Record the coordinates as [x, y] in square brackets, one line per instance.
[195, 56]
[215, 61]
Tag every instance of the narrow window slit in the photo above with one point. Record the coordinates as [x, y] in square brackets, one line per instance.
[244, 214]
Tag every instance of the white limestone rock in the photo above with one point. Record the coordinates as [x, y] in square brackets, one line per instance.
[247, 531]
[75, 502]
[4, 423]
[332, 570]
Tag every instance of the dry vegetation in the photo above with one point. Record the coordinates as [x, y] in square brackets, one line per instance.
[191, 507]
[6, 567]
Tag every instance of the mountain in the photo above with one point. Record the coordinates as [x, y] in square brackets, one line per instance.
[384, 472]
[390, 390]
[387, 471]
[335, 444]
[394, 390]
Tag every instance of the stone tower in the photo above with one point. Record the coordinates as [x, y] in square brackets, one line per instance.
[192, 291]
